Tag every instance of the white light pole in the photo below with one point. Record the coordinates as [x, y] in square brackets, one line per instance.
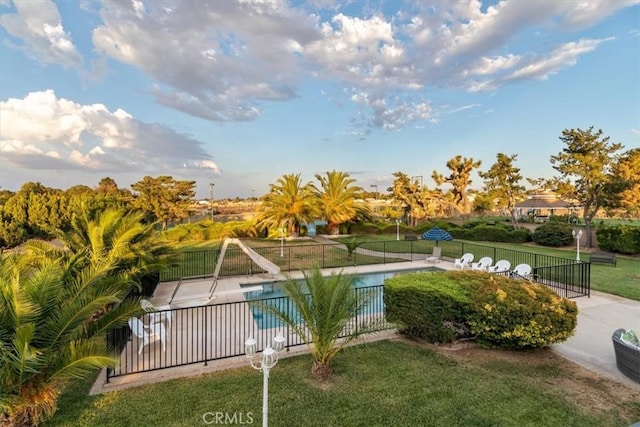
[268, 361]
[397, 229]
[282, 242]
[375, 197]
[211, 184]
[577, 234]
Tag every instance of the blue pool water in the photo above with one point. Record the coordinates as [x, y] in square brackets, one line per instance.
[272, 295]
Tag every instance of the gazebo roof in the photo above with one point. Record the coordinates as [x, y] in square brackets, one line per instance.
[540, 203]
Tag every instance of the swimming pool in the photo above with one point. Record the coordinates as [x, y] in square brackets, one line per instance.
[271, 294]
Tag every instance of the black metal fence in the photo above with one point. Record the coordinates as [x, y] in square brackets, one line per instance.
[206, 333]
[212, 332]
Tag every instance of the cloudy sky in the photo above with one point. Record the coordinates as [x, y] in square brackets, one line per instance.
[240, 92]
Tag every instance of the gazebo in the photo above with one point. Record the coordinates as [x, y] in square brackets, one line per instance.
[542, 205]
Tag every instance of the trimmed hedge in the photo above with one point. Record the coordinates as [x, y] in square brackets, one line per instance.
[491, 233]
[497, 310]
[553, 234]
[619, 238]
[425, 305]
[210, 230]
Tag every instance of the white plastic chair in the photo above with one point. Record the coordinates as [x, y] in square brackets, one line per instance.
[154, 315]
[147, 334]
[463, 262]
[523, 270]
[436, 254]
[500, 267]
[482, 265]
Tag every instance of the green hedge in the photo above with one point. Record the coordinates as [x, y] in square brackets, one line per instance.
[497, 310]
[619, 238]
[515, 314]
[425, 305]
[553, 234]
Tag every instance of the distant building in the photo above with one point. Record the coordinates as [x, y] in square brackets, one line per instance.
[542, 205]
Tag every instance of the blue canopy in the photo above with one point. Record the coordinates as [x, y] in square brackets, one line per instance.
[437, 234]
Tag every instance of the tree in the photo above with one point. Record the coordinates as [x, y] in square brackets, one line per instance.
[336, 199]
[418, 201]
[502, 182]
[585, 167]
[626, 183]
[163, 198]
[288, 204]
[324, 307]
[56, 305]
[459, 179]
[108, 185]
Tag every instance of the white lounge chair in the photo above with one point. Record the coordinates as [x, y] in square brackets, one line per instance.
[500, 267]
[482, 265]
[436, 254]
[147, 334]
[522, 270]
[464, 261]
[156, 314]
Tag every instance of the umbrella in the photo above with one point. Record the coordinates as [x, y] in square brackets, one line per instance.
[437, 234]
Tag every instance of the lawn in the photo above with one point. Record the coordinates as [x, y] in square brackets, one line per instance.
[377, 384]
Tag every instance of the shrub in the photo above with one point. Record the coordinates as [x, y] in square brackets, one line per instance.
[623, 239]
[553, 234]
[515, 314]
[491, 233]
[425, 305]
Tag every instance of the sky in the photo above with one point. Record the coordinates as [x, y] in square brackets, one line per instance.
[240, 92]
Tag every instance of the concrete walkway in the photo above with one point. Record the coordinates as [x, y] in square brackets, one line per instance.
[591, 346]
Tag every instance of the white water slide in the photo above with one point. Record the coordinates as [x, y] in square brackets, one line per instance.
[260, 261]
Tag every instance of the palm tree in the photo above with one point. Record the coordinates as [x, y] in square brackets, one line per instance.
[324, 308]
[57, 303]
[288, 204]
[337, 200]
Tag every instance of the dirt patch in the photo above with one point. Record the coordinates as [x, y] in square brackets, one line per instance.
[591, 391]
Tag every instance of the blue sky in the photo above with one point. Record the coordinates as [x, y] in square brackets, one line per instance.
[239, 93]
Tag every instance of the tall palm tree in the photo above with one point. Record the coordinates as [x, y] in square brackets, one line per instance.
[324, 307]
[289, 204]
[337, 199]
[57, 303]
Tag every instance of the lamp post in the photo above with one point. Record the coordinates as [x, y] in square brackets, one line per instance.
[375, 196]
[577, 234]
[397, 229]
[268, 361]
[211, 184]
[282, 230]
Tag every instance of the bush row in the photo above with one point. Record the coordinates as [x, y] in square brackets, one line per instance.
[210, 230]
[496, 310]
[620, 238]
[554, 234]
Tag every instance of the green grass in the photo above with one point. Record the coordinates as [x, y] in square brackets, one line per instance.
[379, 384]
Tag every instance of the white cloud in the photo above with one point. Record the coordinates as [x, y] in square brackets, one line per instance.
[38, 25]
[222, 60]
[42, 131]
[562, 57]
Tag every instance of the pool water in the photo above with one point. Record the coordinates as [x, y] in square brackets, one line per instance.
[272, 295]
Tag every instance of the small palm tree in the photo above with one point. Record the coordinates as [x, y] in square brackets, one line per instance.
[324, 308]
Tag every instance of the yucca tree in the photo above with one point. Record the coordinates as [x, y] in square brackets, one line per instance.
[289, 204]
[324, 307]
[337, 200]
[57, 303]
